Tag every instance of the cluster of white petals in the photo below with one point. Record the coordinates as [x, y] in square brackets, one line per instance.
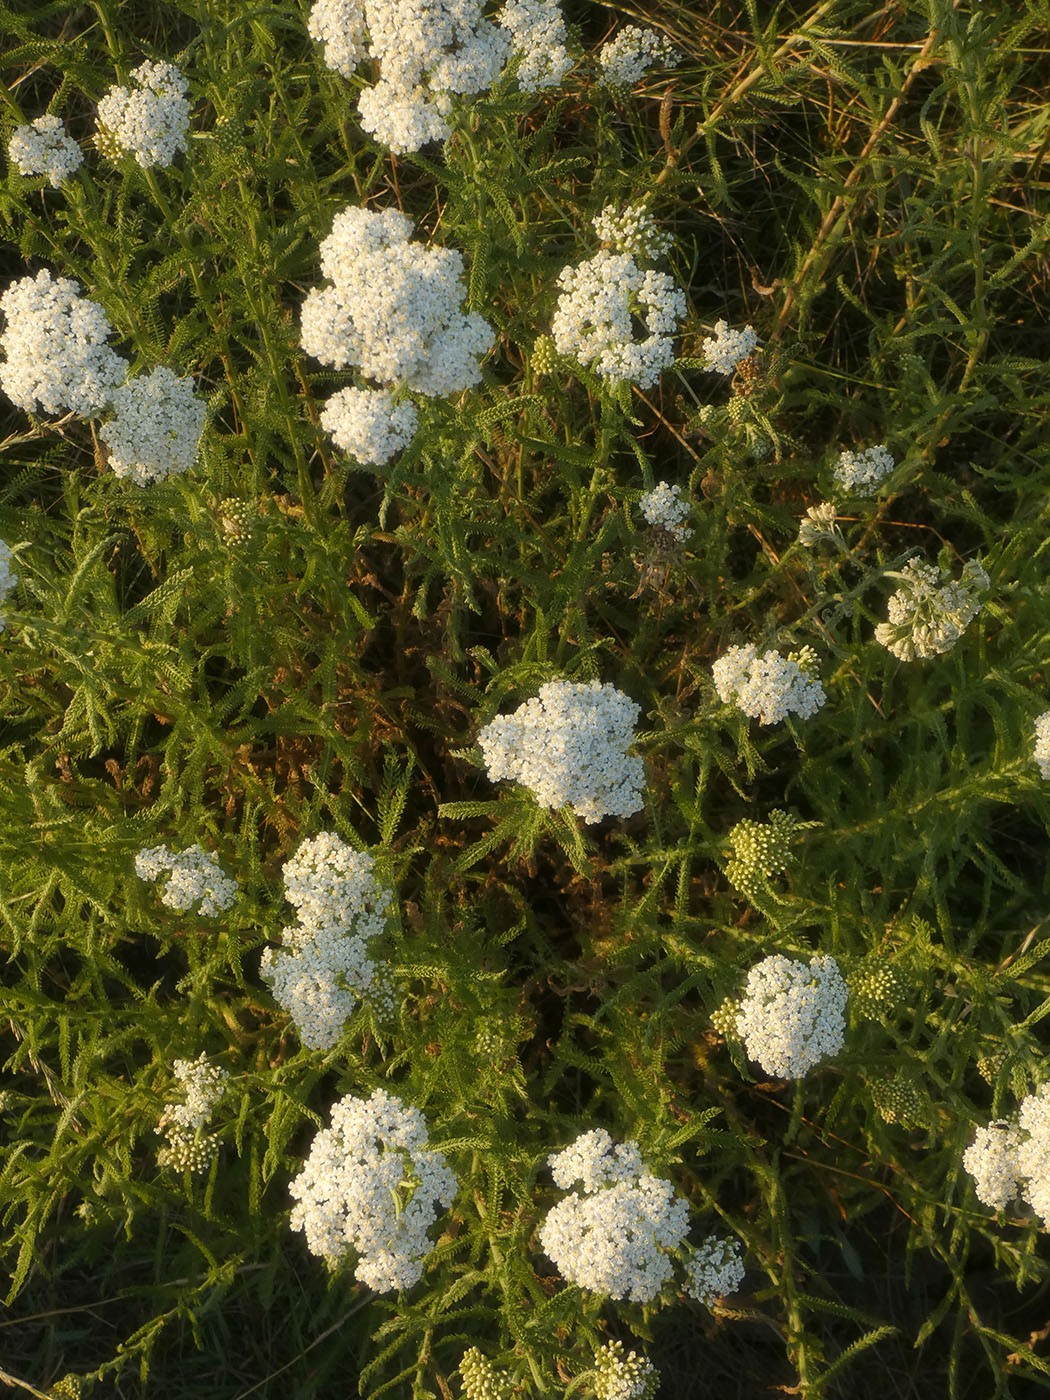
[623, 1375]
[393, 311]
[151, 122]
[8, 577]
[819, 525]
[192, 874]
[593, 320]
[632, 231]
[425, 52]
[44, 147]
[663, 508]
[57, 358]
[568, 746]
[861, 472]
[768, 687]
[1010, 1159]
[627, 57]
[614, 1238]
[929, 614]
[371, 1184]
[537, 33]
[188, 1147]
[726, 348]
[715, 1270]
[1041, 751]
[793, 1016]
[324, 968]
[367, 424]
[156, 428]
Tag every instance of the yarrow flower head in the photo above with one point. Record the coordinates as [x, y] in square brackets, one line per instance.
[54, 343]
[156, 428]
[537, 33]
[861, 472]
[623, 1375]
[768, 687]
[727, 348]
[1041, 752]
[568, 746]
[481, 1380]
[626, 58]
[929, 614]
[150, 123]
[593, 321]
[818, 526]
[193, 874]
[326, 965]
[371, 1185]
[615, 1238]
[366, 423]
[792, 1016]
[663, 508]
[715, 1270]
[188, 1147]
[1012, 1157]
[633, 231]
[44, 147]
[8, 578]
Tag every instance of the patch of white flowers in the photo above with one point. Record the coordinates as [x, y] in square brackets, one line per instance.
[929, 614]
[726, 348]
[768, 687]
[1008, 1159]
[192, 874]
[8, 577]
[188, 1147]
[57, 358]
[593, 320]
[715, 1270]
[537, 33]
[861, 472]
[631, 231]
[792, 1016]
[568, 746]
[44, 147]
[1041, 751]
[663, 508]
[156, 428]
[325, 968]
[425, 54]
[630, 54]
[818, 525]
[151, 122]
[371, 1184]
[615, 1238]
[623, 1375]
[367, 424]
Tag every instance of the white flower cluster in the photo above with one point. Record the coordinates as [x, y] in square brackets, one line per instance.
[182, 1123]
[8, 578]
[54, 343]
[715, 1270]
[425, 54]
[326, 969]
[861, 472]
[626, 59]
[633, 231]
[726, 348]
[192, 874]
[819, 525]
[594, 1162]
[537, 33]
[1008, 1159]
[44, 147]
[481, 1380]
[366, 423]
[569, 746]
[792, 1016]
[614, 1239]
[931, 612]
[623, 1375]
[662, 507]
[768, 687]
[594, 317]
[150, 123]
[156, 428]
[371, 1184]
[1041, 752]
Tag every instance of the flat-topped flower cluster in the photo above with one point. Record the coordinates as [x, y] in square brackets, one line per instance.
[768, 687]
[193, 874]
[793, 1016]
[44, 147]
[1011, 1158]
[182, 1124]
[150, 121]
[931, 611]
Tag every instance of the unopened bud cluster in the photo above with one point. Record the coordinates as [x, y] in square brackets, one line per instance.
[818, 526]
[760, 849]
[623, 1375]
[897, 1100]
[930, 612]
[876, 989]
[481, 1380]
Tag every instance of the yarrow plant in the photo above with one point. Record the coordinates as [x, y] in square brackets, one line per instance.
[538, 37]
[861, 472]
[189, 1148]
[367, 424]
[371, 1186]
[818, 526]
[193, 874]
[792, 1015]
[663, 508]
[760, 849]
[626, 58]
[623, 1375]
[929, 614]
[715, 1270]
[481, 1380]
[1041, 751]
[45, 147]
[727, 348]
[8, 577]
[150, 122]
[156, 427]
[632, 230]
[568, 746]
[769, 687]
[1011, 1158]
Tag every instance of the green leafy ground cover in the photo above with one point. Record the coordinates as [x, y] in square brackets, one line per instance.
[283, 642]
